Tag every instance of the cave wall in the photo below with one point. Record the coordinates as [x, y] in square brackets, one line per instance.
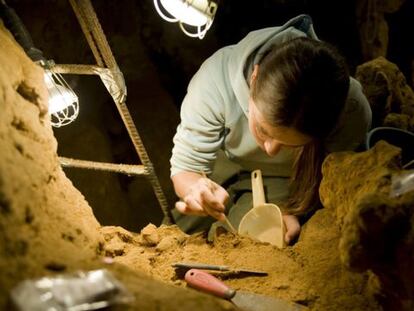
[42, 216]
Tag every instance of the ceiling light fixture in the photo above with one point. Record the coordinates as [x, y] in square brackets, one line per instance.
[195, 17]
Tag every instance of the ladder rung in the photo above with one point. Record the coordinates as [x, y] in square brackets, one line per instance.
[102, 166]
[78, 69]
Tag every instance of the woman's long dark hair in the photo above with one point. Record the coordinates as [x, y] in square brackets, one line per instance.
[303, 84]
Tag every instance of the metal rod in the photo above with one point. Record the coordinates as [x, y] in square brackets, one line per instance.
[78, 69]
[102, 166]
[408, 164]
[87, 32]
[139, 147]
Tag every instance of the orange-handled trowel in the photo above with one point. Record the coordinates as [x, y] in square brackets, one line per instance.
[246, 301]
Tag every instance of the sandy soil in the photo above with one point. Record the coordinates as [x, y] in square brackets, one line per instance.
[309, 273]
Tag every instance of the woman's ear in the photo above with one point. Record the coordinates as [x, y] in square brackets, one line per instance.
[254, 74]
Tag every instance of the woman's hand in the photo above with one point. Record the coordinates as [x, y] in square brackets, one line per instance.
[204, 197]
[292, 228]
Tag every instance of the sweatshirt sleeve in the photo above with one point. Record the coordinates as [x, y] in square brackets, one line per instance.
[354, 123]
[200, 134]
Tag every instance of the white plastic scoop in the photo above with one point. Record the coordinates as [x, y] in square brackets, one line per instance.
[264, 221]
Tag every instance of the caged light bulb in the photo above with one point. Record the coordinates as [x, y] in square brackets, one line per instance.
[198, 14]
[63, 102]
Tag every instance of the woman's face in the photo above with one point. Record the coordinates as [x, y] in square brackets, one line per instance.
[271, 138]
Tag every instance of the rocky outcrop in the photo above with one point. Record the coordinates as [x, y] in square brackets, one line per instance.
[377, 229]
[373, 27]
[390, 97]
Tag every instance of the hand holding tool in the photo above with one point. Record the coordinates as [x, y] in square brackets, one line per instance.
[225, 220]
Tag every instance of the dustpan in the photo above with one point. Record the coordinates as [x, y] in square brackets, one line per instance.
[264, 221]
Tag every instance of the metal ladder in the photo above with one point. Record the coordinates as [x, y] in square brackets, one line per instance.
[107, 69]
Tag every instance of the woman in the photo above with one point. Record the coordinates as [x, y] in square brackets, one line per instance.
[278, 101]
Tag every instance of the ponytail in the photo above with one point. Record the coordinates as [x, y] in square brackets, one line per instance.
[305, 180]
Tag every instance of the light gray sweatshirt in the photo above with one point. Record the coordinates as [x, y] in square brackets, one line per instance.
[214, 112]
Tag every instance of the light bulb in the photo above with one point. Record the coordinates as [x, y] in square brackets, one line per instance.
[185, 13]
[63, 102]
[198, 14]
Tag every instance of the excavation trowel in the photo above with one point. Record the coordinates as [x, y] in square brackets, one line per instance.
[245, 301]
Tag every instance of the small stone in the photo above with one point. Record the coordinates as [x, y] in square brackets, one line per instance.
[150, 236]
[166, 243]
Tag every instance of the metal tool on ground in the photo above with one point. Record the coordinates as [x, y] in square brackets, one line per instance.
[246, 301]
[264, 221]
[225, 220]
[202, 266]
